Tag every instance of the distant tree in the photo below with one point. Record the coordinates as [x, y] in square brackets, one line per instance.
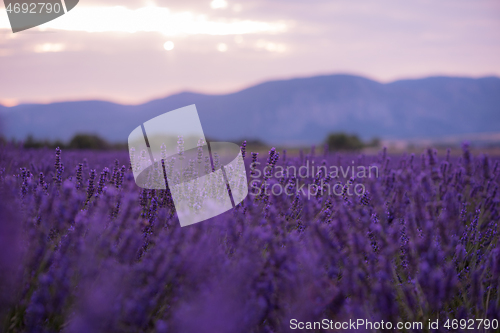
[343, 141]
[88, 141]
[55, 144]
[255, 144]
[79, 141]
[30, 142]
[375, 142]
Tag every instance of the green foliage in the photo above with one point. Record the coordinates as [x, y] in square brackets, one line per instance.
[79, 141]
[375, 142]
[343, 141]
[88, 141]
[31, 142]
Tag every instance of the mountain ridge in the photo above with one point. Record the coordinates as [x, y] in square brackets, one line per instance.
[294, 111]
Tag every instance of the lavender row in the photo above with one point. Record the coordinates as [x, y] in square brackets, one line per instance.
[84, 249]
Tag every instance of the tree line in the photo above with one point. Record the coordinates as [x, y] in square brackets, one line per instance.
[78, 141]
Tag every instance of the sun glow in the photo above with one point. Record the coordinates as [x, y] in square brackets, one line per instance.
[48, 47]
[151, 19]
[9, 102]
[169, 46]
[221, 47]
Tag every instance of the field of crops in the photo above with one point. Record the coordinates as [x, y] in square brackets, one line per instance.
[84, 249]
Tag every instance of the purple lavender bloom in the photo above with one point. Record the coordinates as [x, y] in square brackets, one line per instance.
[95, 253]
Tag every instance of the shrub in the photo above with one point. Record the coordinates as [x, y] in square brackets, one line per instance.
[343, 141]
[88, 141]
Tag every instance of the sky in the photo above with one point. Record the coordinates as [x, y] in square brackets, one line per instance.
[134, 51]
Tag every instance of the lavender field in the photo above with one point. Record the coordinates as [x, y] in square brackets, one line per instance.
[84, 249]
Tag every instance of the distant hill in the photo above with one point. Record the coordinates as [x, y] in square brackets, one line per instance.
[302, 110]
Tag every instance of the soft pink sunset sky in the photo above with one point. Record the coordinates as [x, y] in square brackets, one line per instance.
[150, 49]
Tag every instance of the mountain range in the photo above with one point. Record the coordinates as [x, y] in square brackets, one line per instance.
[295, 111]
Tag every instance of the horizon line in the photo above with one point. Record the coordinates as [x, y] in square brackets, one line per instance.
[10, 103]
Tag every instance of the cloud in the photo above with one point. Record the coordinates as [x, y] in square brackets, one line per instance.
[154, 19]
[218, 4]
[264, 39]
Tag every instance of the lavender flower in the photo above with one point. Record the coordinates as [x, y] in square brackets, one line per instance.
[421, 243]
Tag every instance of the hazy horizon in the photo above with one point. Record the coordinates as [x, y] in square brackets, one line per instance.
[238, 90]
